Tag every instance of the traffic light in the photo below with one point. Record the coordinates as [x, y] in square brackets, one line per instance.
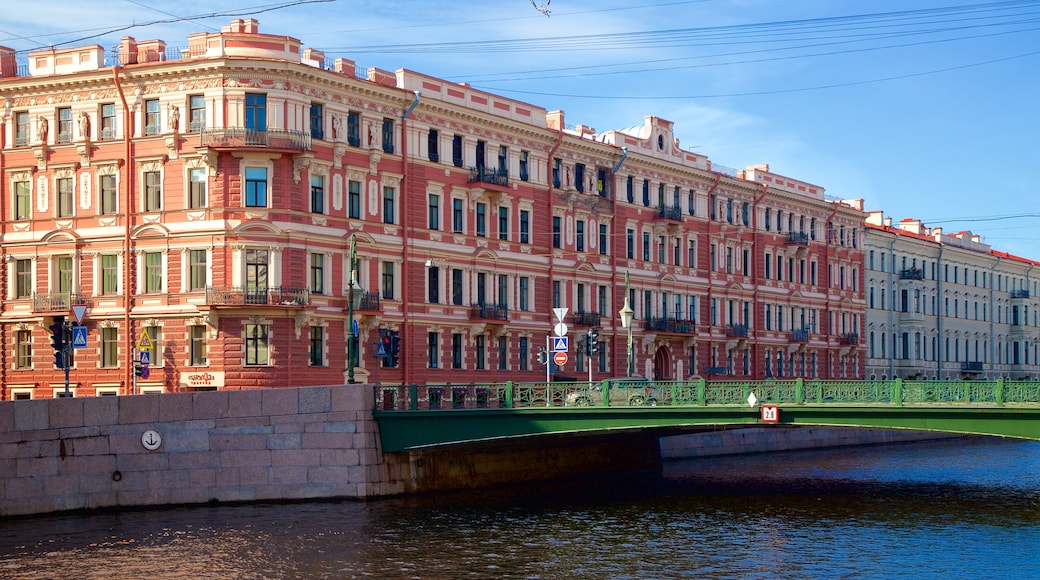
[543, 357]
[395, 347]
[59, 341]
[138, 368]
[591, 342]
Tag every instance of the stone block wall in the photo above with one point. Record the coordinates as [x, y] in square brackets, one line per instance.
[270, 444]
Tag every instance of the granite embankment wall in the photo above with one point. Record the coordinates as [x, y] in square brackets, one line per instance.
[293, 443]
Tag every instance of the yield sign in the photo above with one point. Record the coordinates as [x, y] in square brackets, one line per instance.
[78, 311]
[560, 313]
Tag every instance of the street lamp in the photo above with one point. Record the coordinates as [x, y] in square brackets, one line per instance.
[354, 296]
[626, 322]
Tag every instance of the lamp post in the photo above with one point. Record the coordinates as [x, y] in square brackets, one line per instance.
[626, 322]
[354, 295]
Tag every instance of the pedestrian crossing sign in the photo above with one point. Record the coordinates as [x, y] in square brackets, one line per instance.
[145, 341]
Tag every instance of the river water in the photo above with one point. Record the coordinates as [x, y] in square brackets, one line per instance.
[965, 508]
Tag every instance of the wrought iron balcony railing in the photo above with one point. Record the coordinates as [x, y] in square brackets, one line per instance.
[798, 238]
[971, 366]
[238, 296]
[489, 175]
[1020, 293]
[676, 325]
[239, 137]
[737, 331]
[849, 338]
[489, 311]
[911, 274]
[52, 301]
[670, 212]
[369, 301]
[587, 318]
[800, 335]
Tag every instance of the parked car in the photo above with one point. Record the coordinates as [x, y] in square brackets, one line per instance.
[633, 391]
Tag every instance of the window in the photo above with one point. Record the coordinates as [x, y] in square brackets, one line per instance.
[556, 227]
[317, 121]
[503, 353]
[432, 354]
[525, 226]
[603, 239]
[630, 244]
[196, 188]
[196, 113]
[523, 300]
[456, 150]
[353, 129]
[556, 173]
[256, 276]
[153, 272]
[65, 197]
[503, 223]
[503, 159]
[109, 347]
[579, 177]
[433, 285]
[151, 117]
[433, 147]
[23, 278]
[556, 294]
[198, 268]
[197, 345]
[433, 210]
[317, 193]
[21, 129]
[388, 280]
[629, 189]
[692, 202]
[646, 246]
[23, 357]
[601, 182]
[109, 274]
[388, 204]
[256, 187]
[456, 216]
[65, 125]
[503, 289]
[255, 117]
[456, 351]
[646, 193]
[579, 241]
[318, 273]
[481, 217]
[152, 191]
[525, 359]
[317, 347]
[22, 201]
[388, 135]
[257, 348]
[456, 287]
[524, 161]
[354, 199]
[480, 351]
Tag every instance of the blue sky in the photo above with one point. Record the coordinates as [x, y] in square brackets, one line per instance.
[925, 109]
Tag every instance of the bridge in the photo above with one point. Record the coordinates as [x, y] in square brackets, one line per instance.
[430, 416]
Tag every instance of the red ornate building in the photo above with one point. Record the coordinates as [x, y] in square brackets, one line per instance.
[209, 197]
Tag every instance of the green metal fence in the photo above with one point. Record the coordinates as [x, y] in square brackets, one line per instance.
[516, 395]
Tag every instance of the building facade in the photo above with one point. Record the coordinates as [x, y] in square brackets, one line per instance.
[252, 214]
[947, 306]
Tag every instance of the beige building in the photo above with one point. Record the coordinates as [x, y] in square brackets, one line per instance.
[947, 306]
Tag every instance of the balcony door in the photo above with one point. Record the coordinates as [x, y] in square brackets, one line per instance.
[256, 276]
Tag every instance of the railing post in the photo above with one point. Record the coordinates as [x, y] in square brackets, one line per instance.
[413, 394]
[1000, 392]
[799, 391]
[509, 394]
[702, 396]
[604, 386]
[897, 391]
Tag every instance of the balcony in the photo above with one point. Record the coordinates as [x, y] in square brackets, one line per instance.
[587, 318]
[911, 274]
[237, 137]
[670, 212]
[737, 331]
[481, 311]
[673, 325]
[849, 338]
[369, 301]
[55, 301]
[800, 335]
[971, 367]
[1020, 293]
[798, 238]
[489, 175]
[237, 296]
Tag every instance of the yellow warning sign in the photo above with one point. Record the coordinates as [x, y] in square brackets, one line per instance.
[146, 341]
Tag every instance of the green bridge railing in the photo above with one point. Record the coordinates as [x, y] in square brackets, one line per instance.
[515, 395]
